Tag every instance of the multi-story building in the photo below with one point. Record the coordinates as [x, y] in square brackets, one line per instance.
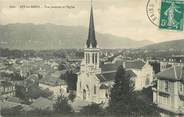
[169, 91]
[7, 89]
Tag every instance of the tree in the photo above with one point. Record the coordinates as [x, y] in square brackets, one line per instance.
[122, 93]
[71, 80]
[72, 96]
[125, 101]
[62, 106]
[61, 66]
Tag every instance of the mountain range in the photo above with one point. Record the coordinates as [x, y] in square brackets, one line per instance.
[168, 45]
[51, 36]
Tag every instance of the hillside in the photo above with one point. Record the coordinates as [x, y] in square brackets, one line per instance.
[169, 45]
[50, 36]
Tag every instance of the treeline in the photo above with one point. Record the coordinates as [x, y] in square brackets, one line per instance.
[154, 54]
[46, 54]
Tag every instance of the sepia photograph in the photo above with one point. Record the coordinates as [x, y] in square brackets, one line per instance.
[91, 58]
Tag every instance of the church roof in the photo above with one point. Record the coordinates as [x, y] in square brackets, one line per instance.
[106, 77]
[91, 42]
[109, 76]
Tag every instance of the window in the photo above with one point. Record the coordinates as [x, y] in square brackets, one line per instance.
[106, 94]
[167, 86]
[94, 89]
[161, 84]
[93, 58]
[147, 81]
[96, 58]
[166, 100]
[87, 87]
[86, 58]
[181, 87]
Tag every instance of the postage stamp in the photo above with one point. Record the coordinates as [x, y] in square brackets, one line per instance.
[171, 15]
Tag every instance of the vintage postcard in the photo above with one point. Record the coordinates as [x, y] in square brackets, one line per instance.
[91, 58]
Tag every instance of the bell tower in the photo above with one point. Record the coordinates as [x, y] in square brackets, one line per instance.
[91, 51]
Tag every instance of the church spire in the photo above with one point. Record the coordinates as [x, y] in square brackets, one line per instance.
[91, 42]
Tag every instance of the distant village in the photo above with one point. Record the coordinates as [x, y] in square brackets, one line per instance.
[34, 83]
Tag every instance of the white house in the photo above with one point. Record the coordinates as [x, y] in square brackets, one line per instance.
[169, 92]
[143, 71]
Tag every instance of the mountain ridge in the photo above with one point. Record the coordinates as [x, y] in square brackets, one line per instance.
[168, 45]
[50, 36]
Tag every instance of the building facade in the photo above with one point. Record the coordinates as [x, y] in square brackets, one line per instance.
[143, 71]
[7, 89]
[169, 91]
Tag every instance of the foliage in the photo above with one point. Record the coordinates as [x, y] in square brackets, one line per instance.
[122, 93]
[46, 93]
[125, 101]
[144, 104]
[71, 80]
[72, 96]
[62, 106]
[91, 110]
[32, 92]
[61, 66]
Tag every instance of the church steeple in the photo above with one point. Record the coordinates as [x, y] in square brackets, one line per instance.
[91, 42]
[91, 52]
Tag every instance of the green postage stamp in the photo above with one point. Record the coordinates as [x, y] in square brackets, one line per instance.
[171, 15]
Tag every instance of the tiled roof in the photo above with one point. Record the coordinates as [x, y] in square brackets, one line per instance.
[105, 77]
[109, 76]
[136, 64]
[173, 73]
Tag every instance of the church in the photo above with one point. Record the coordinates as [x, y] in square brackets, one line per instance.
[91, 85]
[95, 80]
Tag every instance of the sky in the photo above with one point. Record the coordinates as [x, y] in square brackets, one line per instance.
[123, 18]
